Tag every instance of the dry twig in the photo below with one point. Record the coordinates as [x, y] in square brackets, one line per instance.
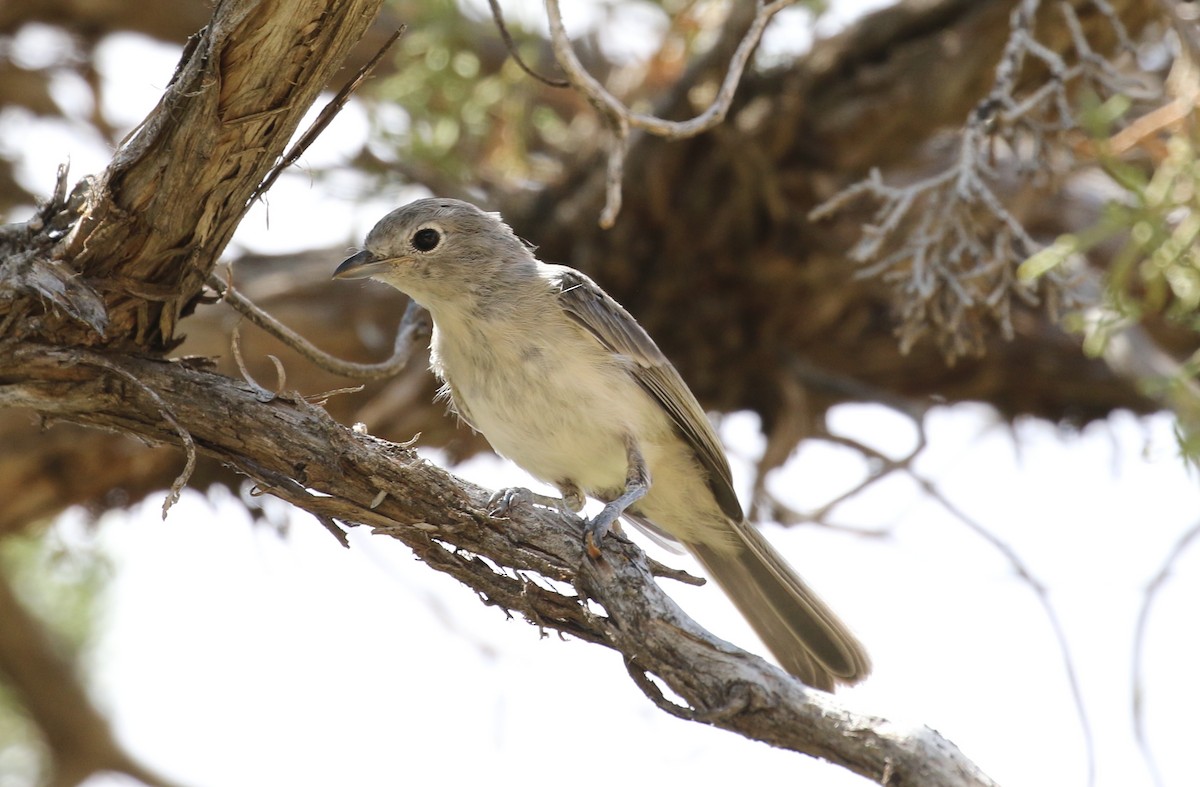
[511, 45]
[164, 410]
[947, 245]
[622, 119]
[1021, 569]
[414, 328]
[1138, 678]
[882, 466]
[326, 116]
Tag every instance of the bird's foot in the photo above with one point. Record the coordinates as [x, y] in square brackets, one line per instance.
[505, 500]
[596, 528]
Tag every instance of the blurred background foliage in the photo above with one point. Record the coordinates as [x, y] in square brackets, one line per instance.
[60, 575]
[1151, 222]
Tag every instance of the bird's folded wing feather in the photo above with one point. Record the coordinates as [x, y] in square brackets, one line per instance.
[618, 332]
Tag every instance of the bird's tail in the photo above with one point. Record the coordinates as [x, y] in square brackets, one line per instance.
[798, 628]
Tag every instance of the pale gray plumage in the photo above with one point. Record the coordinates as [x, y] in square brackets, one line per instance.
[563, 381]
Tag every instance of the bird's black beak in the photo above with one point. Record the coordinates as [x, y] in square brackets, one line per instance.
[361, 266]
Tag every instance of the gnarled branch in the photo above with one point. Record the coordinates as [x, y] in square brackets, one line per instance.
[302, 455]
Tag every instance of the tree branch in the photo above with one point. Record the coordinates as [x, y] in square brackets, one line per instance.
[947, 244]
[414, 329]
[140, 252]
[621, 118]
[294, 449]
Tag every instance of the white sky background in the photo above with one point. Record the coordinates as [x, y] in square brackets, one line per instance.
[232, 656]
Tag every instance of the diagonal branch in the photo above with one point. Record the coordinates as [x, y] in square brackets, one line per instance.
[511, 45]
[154, 222]
[339, 473]
[1138, 678]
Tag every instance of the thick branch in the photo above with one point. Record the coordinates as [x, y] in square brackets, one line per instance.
[155, 222]
[296, 451]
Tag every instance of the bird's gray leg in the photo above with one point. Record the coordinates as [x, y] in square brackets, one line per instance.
[637, 484]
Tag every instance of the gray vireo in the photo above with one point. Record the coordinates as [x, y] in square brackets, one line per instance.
[564, 382]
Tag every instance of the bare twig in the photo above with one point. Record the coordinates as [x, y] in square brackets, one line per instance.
[769, 507]
[1164, 117]
[498, 16]
[947, 245]
[164, 410]
[678, 574]
[621, 118]
[413, 328]
[882, 466]
[802, 376]
[648, 687]
[1153, 588]
[279, 485]
[263, 394]
[328, 113]
[1043, 597]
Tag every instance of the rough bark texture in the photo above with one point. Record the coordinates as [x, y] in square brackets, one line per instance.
[120, 262]
[293, 449]
[143, 236]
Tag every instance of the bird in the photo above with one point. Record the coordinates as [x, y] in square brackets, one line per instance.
[563, 381]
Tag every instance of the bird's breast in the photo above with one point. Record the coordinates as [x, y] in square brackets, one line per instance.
[552, 400]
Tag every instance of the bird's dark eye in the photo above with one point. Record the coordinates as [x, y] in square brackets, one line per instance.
[426, 239]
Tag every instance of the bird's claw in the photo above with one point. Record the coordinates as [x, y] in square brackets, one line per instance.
[590, 545]
[596, 528]
[505, 500]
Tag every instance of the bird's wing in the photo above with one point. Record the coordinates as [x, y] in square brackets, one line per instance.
[617, 331]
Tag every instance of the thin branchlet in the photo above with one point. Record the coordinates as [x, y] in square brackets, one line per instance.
[622, 120]
[948, 246]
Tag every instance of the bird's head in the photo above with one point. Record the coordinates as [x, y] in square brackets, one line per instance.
[440, 252]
